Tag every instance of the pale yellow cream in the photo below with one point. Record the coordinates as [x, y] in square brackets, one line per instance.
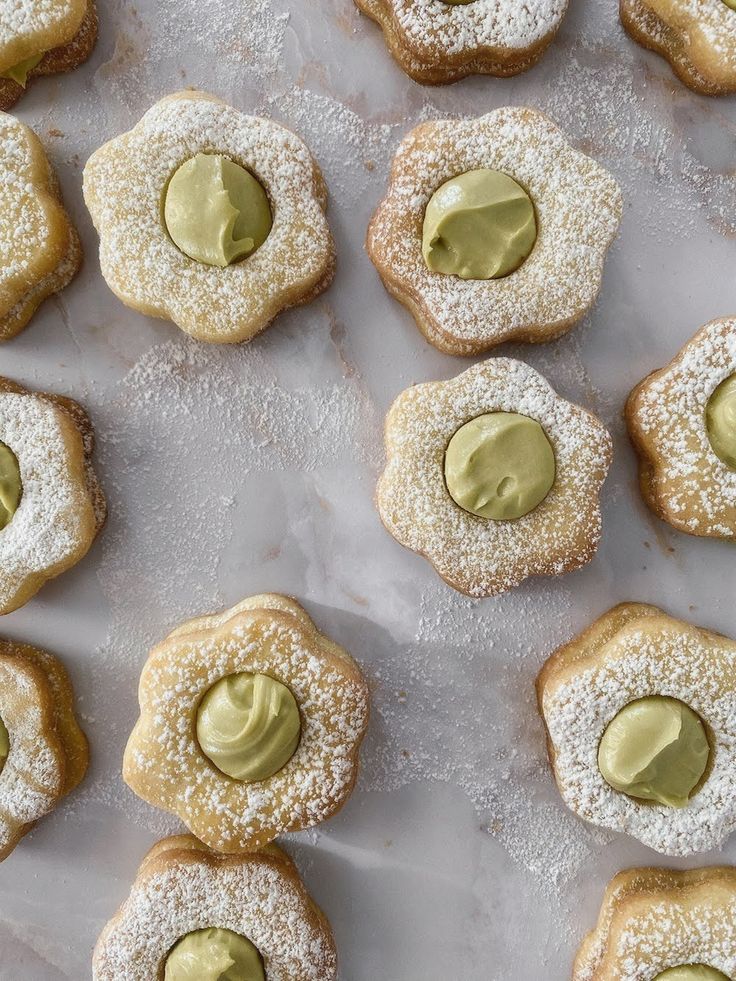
[215, 211]
[19, 73]
[214, 955]
[691, 972]
[655, 749]
[478, 225]
[11, 487]
[249, 726]
[499, 465]
[4, 744]
[720, 420]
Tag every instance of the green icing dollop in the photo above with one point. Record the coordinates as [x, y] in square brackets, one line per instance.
[215, 211]
[19, 73]
[500, 465]
[249, 726]
[655, 749]
[691, 972]
[214, 955]
[720, 420]
[479, 225]
[4, 744]
[11, 487]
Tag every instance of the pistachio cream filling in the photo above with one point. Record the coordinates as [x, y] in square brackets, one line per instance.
[479, 225]
[19, 73]
[11, 487]
[691, 972]
[215, 211]
[249, 726]
[500, 465]
[720, 420]
[214, 955]
[4, 744]
[730, 3]
[655, 749]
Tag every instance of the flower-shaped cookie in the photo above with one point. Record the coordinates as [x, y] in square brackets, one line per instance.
[577, 206]
[682, 422]
[42, 39]
[51, 504]
[43, 753]
[39, 247]
[127, 182]
[478, 555]
[653, 920]
[250, 726]
[633, 653]
[697, 37]
[191, 911]
[436, 42]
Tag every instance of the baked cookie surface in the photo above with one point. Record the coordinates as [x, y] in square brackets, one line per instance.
[635, 653]
[126, 188]
[184, 889]
[241, 767]
[474, 554]
[697, 37]
[42, 38]
[654, 920]
[40, 250]
[57, 506]
[577, 205]
[46, 754]
[436, 42]
[682, 477]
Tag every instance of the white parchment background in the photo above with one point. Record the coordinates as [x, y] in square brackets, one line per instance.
[231, 471]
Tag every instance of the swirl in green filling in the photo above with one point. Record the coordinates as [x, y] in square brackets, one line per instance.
[720, 420]
[499, 465]
[215, 211]
[214, 955]
[479, 225]
[655, 749]
[4, 744]
[691, 972]
[249, 726]
[11, 488]
[19, 73]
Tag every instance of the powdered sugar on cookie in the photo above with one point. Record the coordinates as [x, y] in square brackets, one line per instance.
[578, 208]
[124, 185]
[476, 555]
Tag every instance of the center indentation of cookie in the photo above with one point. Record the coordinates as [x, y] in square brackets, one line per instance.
[11, 486]
[214, 954]
[656, 749]
[478, 225]
[720, 420]
[249, 726]
[691, 972]
[500, 465]
[4, 744]
[215, 211]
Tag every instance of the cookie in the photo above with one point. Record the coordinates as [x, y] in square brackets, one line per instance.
[51, 503]
[438, 42]
[193, 913]
[641, 730]
[250, 725]
[43, 752]
[493, 477]
[682, 423]
[40, 251]
[665, 925]
[493, 229]
[697, 37]
[42, 39]
[210, 218]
